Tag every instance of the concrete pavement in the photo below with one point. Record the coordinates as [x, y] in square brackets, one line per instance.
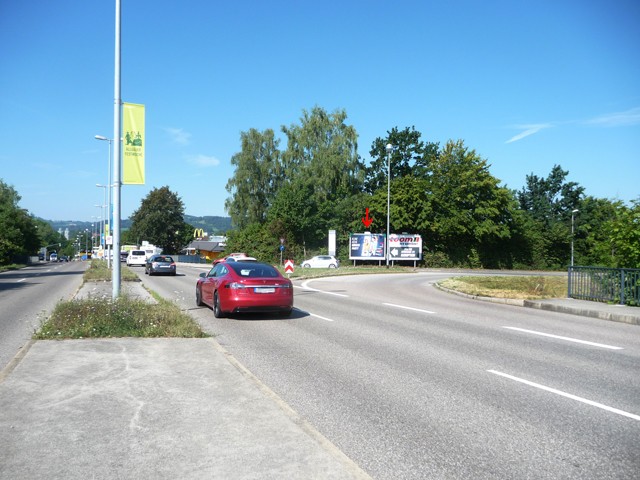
[166, 408]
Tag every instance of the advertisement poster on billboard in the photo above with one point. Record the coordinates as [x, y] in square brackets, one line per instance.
[405, 247]
[367, 246]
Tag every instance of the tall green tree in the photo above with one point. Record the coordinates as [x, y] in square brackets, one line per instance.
[625, 236]
[257, 177]
[325, 149]
[19, 236]
[410, 156]
[469, 211]
[159, 220]
[549, 203]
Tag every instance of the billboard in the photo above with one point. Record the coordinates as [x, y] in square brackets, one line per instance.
[405, 247]
[366, 246]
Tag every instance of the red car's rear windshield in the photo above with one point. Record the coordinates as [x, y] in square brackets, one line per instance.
[253, 270]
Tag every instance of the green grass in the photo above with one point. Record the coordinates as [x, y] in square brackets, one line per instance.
[123, 317]
[302, 273]
[98, 271]
[12, 266]
[534, 287]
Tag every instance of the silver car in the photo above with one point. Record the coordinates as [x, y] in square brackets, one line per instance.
[160, 264]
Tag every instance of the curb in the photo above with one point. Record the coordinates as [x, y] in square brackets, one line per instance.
[541, 305]
[585, 312]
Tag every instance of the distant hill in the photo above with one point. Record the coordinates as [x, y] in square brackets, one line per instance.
[211, 225]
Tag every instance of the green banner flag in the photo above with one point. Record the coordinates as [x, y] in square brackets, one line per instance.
[133, 146]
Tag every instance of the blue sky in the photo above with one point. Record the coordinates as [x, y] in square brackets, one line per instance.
[527, 85]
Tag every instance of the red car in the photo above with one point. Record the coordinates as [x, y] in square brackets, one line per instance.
[238, 287]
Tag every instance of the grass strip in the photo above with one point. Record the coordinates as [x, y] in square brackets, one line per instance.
[530, 287]
[124, 317]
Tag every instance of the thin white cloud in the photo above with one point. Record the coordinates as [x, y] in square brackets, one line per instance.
[528, 131]
[178, 135]
[203, 161]
[618, 119]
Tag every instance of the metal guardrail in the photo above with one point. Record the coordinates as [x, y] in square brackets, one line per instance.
[613, 285]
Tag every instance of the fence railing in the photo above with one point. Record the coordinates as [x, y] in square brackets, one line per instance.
[613, 285]
[191, 259]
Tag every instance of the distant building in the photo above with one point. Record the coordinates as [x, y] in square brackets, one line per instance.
[209, 249]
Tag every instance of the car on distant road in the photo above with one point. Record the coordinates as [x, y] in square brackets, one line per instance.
[136, 257]
[53, 257]
[241, 287]
[230, 255]
[241, 259]
[160, 264]
[124, 256]
[321, 261]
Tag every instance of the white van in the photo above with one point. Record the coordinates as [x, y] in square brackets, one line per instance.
[136, 257]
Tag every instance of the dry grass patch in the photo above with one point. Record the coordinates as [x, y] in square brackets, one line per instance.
[510, 286]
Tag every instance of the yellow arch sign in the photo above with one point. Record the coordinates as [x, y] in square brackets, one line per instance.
[198, 233]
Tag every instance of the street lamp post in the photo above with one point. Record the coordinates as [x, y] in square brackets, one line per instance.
[573, 214]
[100, 225]
[117, 135]
[108, 187]
[106, 221]
[389, 150]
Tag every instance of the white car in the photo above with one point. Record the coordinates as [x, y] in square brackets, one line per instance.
[137, 257]
[321, 261]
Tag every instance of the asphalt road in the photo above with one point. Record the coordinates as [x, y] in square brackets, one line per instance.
[27, 297]
[411, 382]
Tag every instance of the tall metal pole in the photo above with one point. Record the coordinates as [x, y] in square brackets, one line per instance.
[109, 213]
[389, 150]
[117, 135]
[573, 214]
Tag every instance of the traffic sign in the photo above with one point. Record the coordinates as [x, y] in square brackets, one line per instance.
[288, 266]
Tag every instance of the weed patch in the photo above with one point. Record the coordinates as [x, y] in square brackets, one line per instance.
[510, 286]
[124, 317]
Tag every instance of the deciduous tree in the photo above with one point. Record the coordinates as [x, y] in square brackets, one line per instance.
[159, 220]
[257, 177]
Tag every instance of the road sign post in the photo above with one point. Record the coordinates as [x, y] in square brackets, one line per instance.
[288, 267]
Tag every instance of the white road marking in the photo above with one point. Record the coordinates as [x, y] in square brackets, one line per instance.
[408, 308]
[21, 280]
[567, 395]
[568, 339]
[307, 287]
[317, 316]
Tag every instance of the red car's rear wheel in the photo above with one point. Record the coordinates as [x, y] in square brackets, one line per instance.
[217, 309]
